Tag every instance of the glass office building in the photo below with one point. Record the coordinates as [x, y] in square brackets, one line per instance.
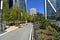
[50, 12]
[58, 3]
[10, 3]
[58, 10]
[19, 3]
[51, 7]
[22, 4]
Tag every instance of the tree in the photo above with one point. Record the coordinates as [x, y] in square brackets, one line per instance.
[39, 17]
[44, 24]
[5, 11]
[31, 18]
[25, 16]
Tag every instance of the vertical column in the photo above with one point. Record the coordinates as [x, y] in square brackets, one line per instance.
[0, 15]
[1, 26]
[45, 9]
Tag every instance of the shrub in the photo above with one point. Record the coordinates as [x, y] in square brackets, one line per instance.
[53, 33]
[56, 27]
[44, 24]
[36, 25]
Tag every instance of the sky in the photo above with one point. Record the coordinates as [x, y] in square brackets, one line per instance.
[38, 4]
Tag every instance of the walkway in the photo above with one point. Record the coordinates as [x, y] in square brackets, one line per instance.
[18, 34]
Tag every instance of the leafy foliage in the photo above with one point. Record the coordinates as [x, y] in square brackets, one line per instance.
[44, 24]
[5, 11]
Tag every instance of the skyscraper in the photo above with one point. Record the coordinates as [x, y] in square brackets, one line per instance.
[51, 7]
[58, 3]
[21, 4]
[58, 10]
[10, 3]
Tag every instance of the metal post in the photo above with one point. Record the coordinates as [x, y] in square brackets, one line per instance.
[1, 25]
[45, 9]
[1, 16]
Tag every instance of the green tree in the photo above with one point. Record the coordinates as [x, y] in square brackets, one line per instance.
[31, 18]
[44, 24]
[5, 11]
[25, 16]
[39, 17]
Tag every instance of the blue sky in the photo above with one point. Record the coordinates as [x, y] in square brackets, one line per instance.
[38, 4]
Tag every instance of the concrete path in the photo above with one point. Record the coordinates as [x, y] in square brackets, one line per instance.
[18, 34]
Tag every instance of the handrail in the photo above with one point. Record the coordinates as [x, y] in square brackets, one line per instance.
[30, 38]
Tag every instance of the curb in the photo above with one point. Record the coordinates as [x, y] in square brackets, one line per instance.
[7, 32]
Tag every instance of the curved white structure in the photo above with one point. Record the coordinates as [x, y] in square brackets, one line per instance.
[33, 11]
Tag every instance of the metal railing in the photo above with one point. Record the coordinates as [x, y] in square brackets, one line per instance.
[30, 37]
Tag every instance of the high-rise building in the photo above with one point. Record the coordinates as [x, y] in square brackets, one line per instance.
[10, 3]
[58, 10]
[21, 4]
[51, 7]
[58, 4]
[33, 11]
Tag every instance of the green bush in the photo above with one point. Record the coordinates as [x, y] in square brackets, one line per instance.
[36, 25]
[44, 24]
[56, 27]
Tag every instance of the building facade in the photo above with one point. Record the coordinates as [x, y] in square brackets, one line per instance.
[52, 11]
[20, 4]
[33, 11]
[51, 7]
[10, 3]
[58, 10]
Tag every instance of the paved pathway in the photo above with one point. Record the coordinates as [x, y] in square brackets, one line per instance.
[18, 34]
